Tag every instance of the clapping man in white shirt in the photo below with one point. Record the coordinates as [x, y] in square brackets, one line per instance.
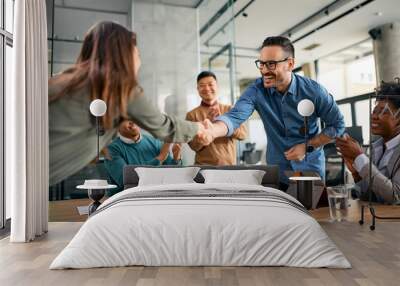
[386, 150]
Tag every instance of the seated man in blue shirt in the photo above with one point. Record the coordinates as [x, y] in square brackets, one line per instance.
[131, 147]
[275, 97]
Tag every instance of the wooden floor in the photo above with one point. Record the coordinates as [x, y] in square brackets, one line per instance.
[66, 211]
[374, 255]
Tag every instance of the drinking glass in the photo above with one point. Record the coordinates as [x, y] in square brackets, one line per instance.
[338, 203]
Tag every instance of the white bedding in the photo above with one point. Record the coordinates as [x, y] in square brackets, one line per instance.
[183, 231]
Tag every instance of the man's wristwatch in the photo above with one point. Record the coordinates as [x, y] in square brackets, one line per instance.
[310, 148]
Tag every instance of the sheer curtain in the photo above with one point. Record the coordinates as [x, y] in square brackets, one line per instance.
[27, 124]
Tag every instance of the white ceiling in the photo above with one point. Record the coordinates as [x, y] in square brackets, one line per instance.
[267, 18]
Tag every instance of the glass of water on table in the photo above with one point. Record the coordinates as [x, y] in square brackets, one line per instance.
[338, 202]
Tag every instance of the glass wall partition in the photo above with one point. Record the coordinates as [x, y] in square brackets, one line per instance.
[348, 74]
[217, 45]
[219, 55]
[68, 22]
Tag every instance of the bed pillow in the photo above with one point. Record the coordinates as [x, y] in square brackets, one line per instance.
[166, 176]
[248, 177]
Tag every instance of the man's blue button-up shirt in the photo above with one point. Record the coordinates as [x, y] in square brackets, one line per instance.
[282, 122]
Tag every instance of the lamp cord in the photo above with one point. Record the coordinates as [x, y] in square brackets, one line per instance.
[98, 138]
[305, 135]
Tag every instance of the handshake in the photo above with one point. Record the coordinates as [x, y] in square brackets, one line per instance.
[206, 133]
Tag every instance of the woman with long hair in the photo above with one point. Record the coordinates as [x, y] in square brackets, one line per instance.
[106, 69]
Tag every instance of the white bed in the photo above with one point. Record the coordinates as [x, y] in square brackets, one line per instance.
[224, 225]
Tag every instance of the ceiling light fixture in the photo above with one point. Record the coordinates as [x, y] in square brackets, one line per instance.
[311, 47]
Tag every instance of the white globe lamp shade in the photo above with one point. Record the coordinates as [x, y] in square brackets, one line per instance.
[305, 107]
[98, 107]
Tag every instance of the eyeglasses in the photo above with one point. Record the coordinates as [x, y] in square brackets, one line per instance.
[386, 110]
[270, 65]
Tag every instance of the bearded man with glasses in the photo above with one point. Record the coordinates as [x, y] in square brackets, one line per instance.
[385, 123]
[275, 97]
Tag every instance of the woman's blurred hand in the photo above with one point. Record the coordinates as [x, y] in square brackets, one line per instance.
[163, 152]
[177, 151]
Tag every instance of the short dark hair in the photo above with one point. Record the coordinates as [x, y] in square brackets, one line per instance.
[204, 74]
[283, 42]
[389, 91]
[121, 119]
